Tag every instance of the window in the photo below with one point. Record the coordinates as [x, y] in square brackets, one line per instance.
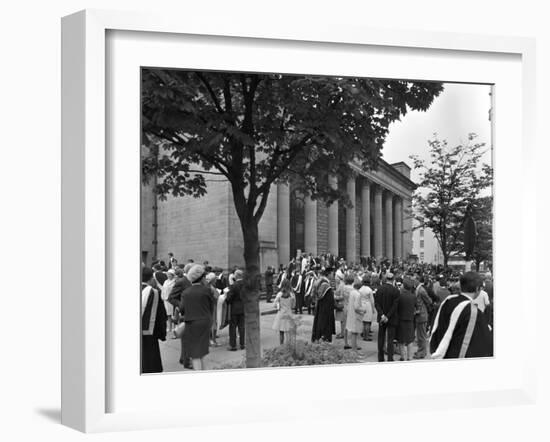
[422, 233]
[421, 243]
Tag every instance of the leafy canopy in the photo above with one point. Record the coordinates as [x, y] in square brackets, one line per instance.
[481, 211]
[449, 184]
[257, 129]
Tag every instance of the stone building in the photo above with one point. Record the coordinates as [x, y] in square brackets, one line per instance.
[379, 224]
[425, 246]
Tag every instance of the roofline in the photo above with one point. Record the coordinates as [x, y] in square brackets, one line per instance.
[401, 162]
[396, 174]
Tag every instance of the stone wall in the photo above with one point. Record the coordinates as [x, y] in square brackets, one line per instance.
[267, 230]
[196, 228]
[147, 201]
[322, 228]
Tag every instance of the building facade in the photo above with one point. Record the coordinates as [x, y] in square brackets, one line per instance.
[379, 224]
[426, 247]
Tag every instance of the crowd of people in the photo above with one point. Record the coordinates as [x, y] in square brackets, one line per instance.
[447, 313]
[193, 301]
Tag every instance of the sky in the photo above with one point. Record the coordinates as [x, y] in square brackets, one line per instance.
[459, 110]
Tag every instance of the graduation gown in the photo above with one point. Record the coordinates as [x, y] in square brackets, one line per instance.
[324, 325]
[297, 285]
[460, 330]
[153, 328]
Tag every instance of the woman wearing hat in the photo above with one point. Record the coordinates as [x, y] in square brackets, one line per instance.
[197, 306]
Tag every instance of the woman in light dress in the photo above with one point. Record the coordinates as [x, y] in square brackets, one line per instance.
[164, 294]
[355, 312]
[210, 281]
[367, 301]
[284, 302]
[341, 298]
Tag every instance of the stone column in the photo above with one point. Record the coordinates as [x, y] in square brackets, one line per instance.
[333, 221]
[388, 206]
[398, 229]
[283, 223]
[310, 226]
[378, 222]
[365, 218]
[407, 228]
[350, 223]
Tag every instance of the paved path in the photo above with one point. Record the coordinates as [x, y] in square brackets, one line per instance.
[219, 356]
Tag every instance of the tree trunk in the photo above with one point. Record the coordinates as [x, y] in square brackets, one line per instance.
[251, 294]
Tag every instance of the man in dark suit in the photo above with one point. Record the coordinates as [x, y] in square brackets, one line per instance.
[175, 298]
[234, 299]
[172, 262]
[423, 306]
[386, 299]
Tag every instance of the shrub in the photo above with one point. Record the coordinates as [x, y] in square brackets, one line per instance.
[230, 365]
[305, 353]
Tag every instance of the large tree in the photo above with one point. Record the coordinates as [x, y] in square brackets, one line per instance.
[255, 130]
[450, 182]
[481, 211]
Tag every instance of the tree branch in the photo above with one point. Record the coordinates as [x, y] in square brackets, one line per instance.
[292, 152]
[176, 139]
[227, 95]
[205, 171]
[210, 91]
[261, 207]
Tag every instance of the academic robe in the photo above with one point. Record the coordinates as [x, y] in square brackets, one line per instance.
[324, 325]
[460, 331]
[296, 282]
[153, 329]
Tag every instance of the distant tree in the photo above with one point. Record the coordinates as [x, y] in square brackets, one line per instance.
[255, 130]
[481, 211]
[449, 185]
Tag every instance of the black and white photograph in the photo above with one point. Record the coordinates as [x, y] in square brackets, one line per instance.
[302, 220]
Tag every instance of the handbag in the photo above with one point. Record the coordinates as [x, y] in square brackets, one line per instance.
[178, 331]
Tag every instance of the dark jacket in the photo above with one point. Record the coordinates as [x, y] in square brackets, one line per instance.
[197, 303]
[423, 304]
[268, 277]
[221, 283]
[406, 305]
[179, 286]
[234, 298]
[386, 299]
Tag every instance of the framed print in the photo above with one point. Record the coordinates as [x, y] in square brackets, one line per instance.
[134, 204]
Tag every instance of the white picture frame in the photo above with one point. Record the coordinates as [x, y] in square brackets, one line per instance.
[85, 215]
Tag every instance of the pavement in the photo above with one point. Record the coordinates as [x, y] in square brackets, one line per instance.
[220, 357]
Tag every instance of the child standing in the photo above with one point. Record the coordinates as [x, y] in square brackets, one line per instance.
[285, 302]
